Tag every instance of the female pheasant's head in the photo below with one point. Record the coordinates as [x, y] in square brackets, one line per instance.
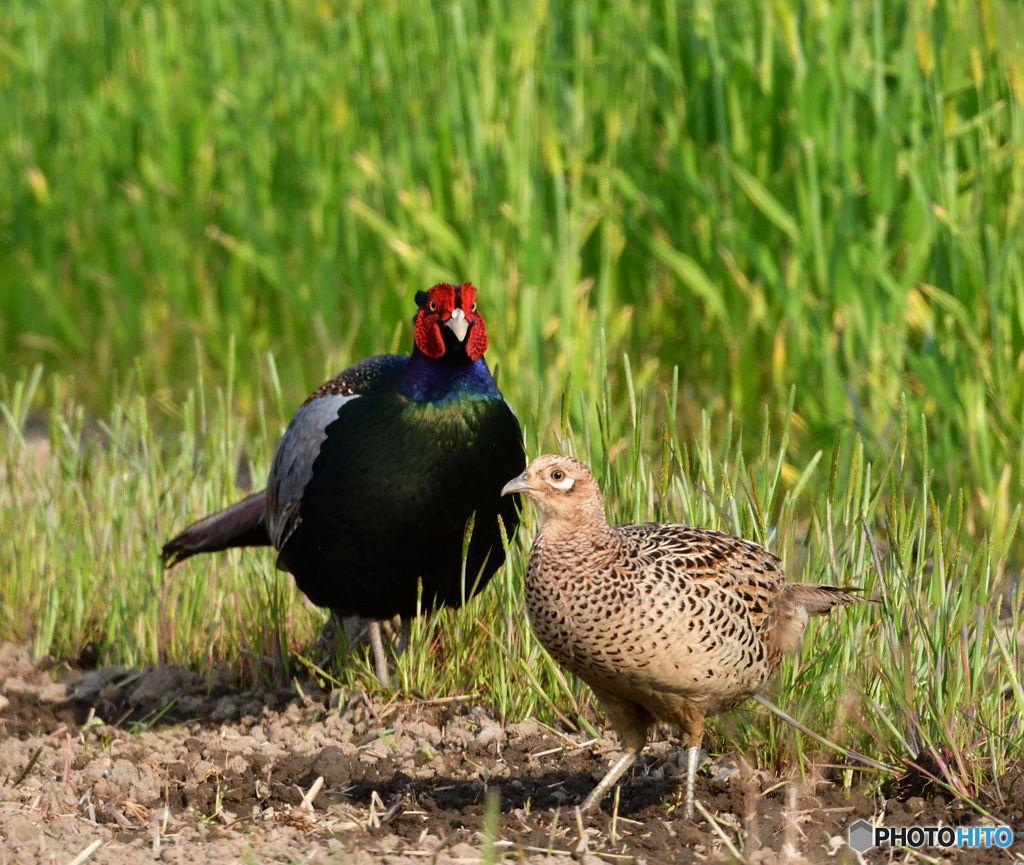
[562, 488]
[448, 324]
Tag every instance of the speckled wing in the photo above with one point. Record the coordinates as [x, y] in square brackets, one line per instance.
[298, 449]
[735, 566]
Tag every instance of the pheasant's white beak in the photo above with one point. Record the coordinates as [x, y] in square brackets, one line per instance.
[458, 324]
[520, 484]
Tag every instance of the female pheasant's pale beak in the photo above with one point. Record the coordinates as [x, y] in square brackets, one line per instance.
[519, 484]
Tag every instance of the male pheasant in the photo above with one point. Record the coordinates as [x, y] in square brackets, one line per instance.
[379, 472]
[664, 622]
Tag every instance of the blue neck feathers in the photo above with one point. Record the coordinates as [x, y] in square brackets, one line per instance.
[427, 380]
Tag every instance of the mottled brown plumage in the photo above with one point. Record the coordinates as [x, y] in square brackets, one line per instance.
[664, 622]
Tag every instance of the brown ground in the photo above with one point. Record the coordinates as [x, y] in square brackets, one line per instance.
[223, 776]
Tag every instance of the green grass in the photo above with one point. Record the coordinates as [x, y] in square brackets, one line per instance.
[827, 194]
[930, 667]
[800, 222]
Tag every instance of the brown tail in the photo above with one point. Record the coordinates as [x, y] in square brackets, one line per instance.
[241, 525]
[796, 603]
[818, 599]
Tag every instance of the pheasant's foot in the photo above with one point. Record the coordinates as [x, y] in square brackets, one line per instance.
[321, 652]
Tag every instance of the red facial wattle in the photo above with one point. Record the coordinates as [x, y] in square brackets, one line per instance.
[439, 302]
[476, 341]
[436, 310]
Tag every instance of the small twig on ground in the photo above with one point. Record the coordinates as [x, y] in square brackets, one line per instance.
[28, 767]
[86, 853]
[307, 800]
[550, 851]
[86, 800]
[441, 701]
[445, 843]
[554, 829]
[561, 734]
[718, 830]
[569, 746]
[392, 812]
[921, 857]
[375, 802]
[369, 705]
[581, 847]
[119, 818]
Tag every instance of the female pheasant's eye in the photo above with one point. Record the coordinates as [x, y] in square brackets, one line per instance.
[433, 306]
[557, 475]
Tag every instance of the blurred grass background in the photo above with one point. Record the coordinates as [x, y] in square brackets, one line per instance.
[826, 194]
[798, 216]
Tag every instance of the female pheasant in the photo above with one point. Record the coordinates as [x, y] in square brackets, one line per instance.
[665, 623]
[379, 472]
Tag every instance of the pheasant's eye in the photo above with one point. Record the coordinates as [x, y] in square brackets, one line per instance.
[432, 307]
[557, 475]
[473, 307]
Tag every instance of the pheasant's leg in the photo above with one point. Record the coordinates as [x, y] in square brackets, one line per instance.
[403, 636]
[691, 720]
[380, 660]
[325, 646]
[355, 629]
[616, 771]
[692, 757]
[631, 720]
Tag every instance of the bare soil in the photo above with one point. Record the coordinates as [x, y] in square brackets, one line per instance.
[121, 766]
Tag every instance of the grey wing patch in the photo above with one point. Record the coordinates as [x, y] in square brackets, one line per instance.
[293, 463]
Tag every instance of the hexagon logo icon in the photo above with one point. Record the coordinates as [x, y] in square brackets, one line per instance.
[862, 836]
